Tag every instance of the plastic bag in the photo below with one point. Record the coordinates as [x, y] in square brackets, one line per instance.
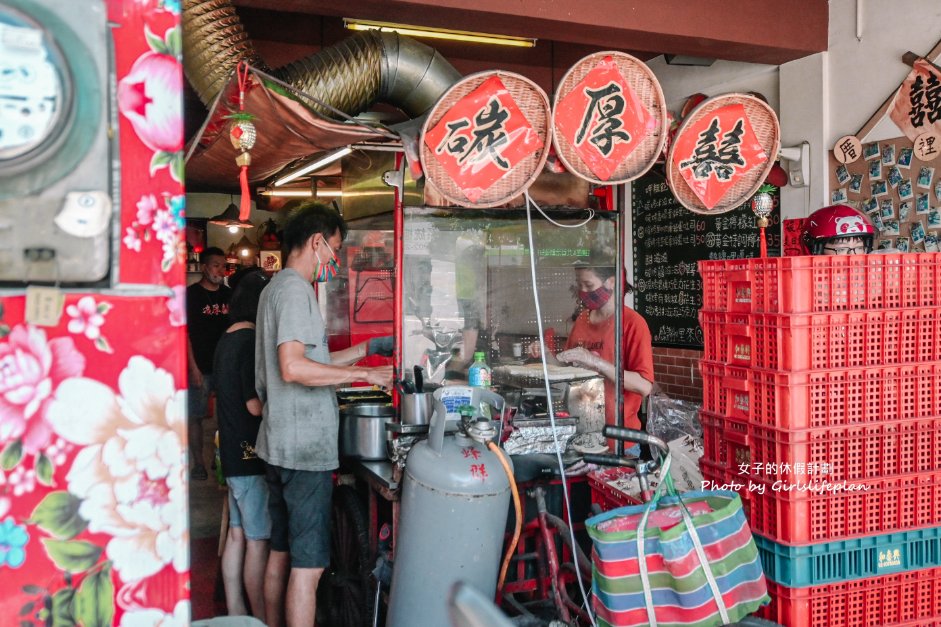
[671, 418]
[686, 451]
[677, 422]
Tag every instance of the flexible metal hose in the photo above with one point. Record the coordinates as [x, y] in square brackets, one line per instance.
[518, 509]
[214, 42]
[349, 76]
[345, 76]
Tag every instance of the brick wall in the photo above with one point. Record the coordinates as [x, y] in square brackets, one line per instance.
[676, 371]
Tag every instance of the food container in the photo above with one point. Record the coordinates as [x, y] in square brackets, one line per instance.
[363, 430]
[416, 409]
[345, 396]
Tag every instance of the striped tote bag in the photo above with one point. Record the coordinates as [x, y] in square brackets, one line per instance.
[685, 560]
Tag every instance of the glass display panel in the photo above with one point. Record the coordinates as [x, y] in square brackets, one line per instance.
[467, 284]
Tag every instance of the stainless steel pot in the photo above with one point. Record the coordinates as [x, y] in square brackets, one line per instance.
[363, 430]
[416, 409]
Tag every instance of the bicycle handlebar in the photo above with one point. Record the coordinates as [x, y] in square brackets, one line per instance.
[633, 435]
[639, 465]
[610, 460]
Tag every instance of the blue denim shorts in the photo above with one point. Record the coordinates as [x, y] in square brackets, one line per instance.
[248, 506]
[197, 399]
[300, 506]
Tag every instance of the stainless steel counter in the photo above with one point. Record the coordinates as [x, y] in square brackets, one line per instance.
[377, 474]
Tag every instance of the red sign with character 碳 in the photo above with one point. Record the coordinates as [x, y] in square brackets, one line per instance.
[482, 138]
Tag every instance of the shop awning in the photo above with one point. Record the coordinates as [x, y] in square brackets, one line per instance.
[286, 131]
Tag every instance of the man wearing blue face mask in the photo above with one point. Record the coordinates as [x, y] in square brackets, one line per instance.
[295, 375]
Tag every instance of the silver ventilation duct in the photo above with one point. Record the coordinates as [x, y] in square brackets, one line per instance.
[350, 76]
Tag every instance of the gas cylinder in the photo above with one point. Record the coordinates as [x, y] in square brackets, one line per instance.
[455, 503]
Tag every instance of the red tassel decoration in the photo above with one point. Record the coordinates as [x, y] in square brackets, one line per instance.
[242, 136]
[245, 205]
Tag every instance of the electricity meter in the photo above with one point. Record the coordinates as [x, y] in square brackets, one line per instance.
[55, 150]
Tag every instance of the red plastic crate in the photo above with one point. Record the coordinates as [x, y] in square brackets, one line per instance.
[727, 338]
[836, 397]
[718, 477]
[824, 283]
[727, 390]
[846, 340]
[711, 471]
[824, 398]
[850, 452]
[900, 600]
[885, 505]
[725, 440]
[607, 495]
[715, 283]
[822, 341]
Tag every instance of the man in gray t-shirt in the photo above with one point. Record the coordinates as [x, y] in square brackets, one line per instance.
[295, 375]
[300, 421]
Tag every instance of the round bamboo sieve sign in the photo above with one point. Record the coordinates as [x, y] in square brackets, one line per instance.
[609, 121]
[486, 140]
[723, 153]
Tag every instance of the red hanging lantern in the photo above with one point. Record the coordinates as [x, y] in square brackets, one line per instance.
[242, 134]
[762, 204]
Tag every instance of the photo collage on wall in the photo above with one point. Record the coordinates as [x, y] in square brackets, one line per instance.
[899, 192]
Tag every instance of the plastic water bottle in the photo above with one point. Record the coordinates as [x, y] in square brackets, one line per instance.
[478, 375]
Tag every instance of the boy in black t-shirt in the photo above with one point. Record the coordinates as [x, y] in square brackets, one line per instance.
[239, 411]
[207, 316]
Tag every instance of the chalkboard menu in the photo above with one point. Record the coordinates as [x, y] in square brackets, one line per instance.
[668, 240]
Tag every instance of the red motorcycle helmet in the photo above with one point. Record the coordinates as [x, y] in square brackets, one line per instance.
[833, 223]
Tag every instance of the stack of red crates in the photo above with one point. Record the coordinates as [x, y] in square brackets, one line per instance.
[822, 407]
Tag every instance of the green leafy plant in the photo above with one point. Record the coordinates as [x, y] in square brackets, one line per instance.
[91, 604]
[241, 116]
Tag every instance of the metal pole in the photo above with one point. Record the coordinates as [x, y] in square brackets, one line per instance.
[621, 235]
[398, 234]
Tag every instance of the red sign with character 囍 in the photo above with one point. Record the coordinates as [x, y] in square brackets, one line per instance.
[482, 138]
[917, 106]
[715, 152]
[603, 119]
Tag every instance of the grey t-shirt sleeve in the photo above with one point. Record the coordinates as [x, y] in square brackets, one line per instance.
[293, 310]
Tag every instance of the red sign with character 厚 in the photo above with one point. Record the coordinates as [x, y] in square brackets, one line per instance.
[603, 119]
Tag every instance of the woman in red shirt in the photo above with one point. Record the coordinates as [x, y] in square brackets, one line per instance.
[591, 342]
